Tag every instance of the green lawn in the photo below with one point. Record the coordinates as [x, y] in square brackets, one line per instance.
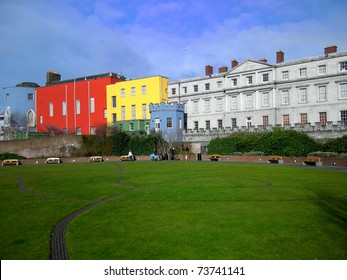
[176, 210]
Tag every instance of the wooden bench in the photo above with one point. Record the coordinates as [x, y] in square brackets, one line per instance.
[7, 162]
[275, 159]
[96, 159]
[214, 157]
[124, 158]
[313, 160]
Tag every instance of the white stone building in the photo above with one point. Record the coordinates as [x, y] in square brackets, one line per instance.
[305, 94]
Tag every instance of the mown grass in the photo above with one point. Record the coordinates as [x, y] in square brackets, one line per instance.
[177, 210]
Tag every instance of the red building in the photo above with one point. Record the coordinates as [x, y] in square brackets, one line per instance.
[75, 106]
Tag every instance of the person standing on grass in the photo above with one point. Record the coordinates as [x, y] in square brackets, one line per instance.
[130, 155]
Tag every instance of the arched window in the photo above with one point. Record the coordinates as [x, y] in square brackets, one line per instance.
[30, 118]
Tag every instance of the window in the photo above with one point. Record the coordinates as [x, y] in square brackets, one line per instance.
[234, 103]
[144, 90]
[233, 123]
[343, 66]
[220, 124]
[133, 112]
[169, 122]
[234, 82]
[123, 113]
[266, 77]
[323, 118]
[303, 95]
[122, 92]
[344, 117]
[219, 84]
[207, 105]
[249, 80]
[50, 109]
[343, 90]
[196, 125]
[219, 104]
[105, 113]
[30, 96]
[92, 130]
[131, 126]
[285, 119]
[114, 101]
[114, 117]
[92, 105]
[78, 131]
[78, 107]
[207, 86]
[7, 97]
[41, 119]
[173, 91]
[249, 101]
[133, 92]
[195, 87]
[195, 106]
[322, 93]
[180, 123]
[285, 75]
[303, 118]
[285, 97]
[157, 124]
[121, 127]
[248, 122]
[265, 121]
[302, 72]
[265, 99]
[64, 108]
[30, 118]
[322, 69]
[208, 125]
[144, 111]
[184, 89]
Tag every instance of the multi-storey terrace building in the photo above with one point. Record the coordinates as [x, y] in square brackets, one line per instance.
[128, 102]
[76, 106]
[256, 94]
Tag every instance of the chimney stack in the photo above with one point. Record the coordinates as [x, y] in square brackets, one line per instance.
[234, 63]
[279, 56]
[223, 69]
[330, 49]
[208, 70]
[52, 76]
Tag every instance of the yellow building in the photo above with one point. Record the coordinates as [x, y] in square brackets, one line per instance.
[128, 102]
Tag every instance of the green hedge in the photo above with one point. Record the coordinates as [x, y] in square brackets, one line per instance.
[275, 142]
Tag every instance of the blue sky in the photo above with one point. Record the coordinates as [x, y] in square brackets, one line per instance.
[174, 38]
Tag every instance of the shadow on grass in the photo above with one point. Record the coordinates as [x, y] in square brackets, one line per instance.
[335, 209]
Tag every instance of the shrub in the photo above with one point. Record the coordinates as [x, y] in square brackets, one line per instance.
[10, 156]
[275, 142]
[338, 145]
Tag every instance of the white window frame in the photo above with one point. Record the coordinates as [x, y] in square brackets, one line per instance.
[285, 97]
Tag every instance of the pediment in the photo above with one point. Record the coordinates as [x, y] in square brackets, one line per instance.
[249, 66]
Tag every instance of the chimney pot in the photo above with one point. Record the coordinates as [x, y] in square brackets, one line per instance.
[330, 49]
[279, 56]
[208, 70]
